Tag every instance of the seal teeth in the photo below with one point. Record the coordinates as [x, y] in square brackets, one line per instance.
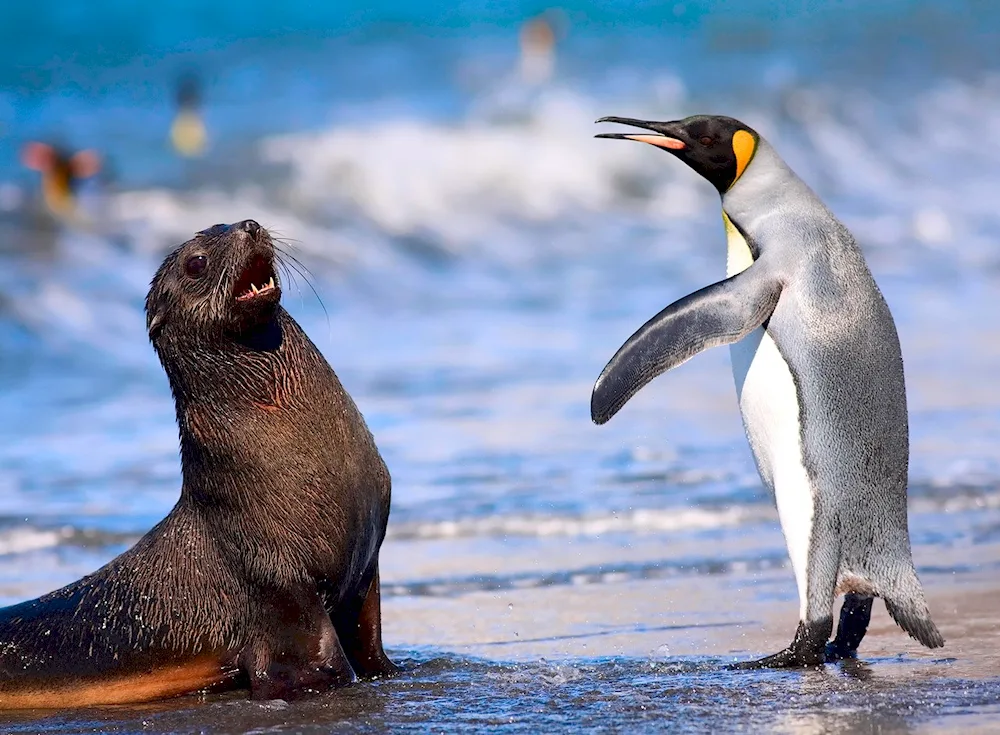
[270, 283]
[254, 288]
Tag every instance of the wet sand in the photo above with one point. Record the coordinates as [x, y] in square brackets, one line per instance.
[618, 651]
[689, 617]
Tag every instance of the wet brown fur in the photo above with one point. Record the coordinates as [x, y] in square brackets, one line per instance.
[266, 570]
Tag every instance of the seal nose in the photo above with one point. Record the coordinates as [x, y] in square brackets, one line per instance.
[250, 227]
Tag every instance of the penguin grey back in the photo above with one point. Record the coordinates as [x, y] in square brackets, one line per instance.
[833, 327]
[819, 373]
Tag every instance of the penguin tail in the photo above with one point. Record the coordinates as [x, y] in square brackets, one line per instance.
[907, 607]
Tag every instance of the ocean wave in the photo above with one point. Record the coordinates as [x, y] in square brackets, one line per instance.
[603, 574]
[486, 183]
[463, 182]
[24, 539]
[19, 538]
[658, 521]
[635, 521]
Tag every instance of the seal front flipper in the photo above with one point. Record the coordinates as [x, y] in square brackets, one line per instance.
[298, 651]
[359, 626]
[720, 314]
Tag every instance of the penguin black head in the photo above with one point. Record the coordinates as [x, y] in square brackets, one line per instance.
[719, 148]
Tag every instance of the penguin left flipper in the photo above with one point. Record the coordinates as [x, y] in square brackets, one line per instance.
[720, 314]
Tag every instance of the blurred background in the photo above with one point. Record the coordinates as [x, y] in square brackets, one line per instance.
[470, 257]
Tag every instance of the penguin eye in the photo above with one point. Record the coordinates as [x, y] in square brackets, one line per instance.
[195, 266]
[706, 140]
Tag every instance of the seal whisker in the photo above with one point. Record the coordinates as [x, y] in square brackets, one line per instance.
[290, 261]
[288, 274]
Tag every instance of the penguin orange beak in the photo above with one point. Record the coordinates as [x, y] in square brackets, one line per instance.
[660, 138]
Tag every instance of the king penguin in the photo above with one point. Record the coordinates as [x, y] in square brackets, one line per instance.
[61, 173]
[819, 380]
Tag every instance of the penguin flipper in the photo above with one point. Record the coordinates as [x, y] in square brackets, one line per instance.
[720, 314]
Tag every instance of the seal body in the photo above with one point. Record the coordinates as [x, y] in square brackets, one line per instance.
[265, 573]
[819, 377]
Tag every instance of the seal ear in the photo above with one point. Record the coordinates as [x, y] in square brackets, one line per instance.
[154, 324]
[157, 308]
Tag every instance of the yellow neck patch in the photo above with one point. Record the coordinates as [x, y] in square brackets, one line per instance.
[744, 146]
[739, 257]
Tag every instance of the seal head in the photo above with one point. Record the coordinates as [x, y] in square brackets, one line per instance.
[222, 282]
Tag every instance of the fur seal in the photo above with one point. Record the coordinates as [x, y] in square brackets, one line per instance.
[819, 378]
[265, 573]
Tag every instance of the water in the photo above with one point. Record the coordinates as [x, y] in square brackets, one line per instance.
[478, 257]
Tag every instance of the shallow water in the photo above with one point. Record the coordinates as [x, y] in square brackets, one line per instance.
[478, 257]
[450, 693]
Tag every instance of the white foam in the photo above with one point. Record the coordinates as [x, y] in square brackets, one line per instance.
[21, 539]
[916, 178]
[461, 182]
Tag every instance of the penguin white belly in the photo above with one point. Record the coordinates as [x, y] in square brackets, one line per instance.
[769, 404]
[770, 408]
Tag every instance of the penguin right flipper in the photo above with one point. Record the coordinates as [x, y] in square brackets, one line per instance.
[720, 314]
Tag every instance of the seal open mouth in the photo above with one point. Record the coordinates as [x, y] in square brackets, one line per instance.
[257, 280]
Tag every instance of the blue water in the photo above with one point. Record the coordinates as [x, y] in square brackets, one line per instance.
[476, 258]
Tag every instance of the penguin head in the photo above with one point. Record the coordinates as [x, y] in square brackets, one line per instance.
[719, 148]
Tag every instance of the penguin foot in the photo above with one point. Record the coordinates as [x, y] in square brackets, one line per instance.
[807, 650]
[854, 617]
[838, 652]
[786, 659]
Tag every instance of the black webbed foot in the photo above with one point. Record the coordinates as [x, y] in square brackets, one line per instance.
[807, 650]
[854, 617]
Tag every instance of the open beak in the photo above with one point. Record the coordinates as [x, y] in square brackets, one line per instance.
[659, 138]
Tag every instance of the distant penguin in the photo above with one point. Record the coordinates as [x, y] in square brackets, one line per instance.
[61, 173]
[538, 38]
[187, 132]
[819, 378]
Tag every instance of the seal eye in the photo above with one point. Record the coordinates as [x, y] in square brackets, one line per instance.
[195, 266]
[706, 140]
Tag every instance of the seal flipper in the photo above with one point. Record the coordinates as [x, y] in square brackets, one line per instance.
[807, 649]
[303, 655]
[359, 626]
[720, 314]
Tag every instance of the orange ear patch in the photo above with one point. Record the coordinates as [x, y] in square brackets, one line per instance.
[744, 146]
